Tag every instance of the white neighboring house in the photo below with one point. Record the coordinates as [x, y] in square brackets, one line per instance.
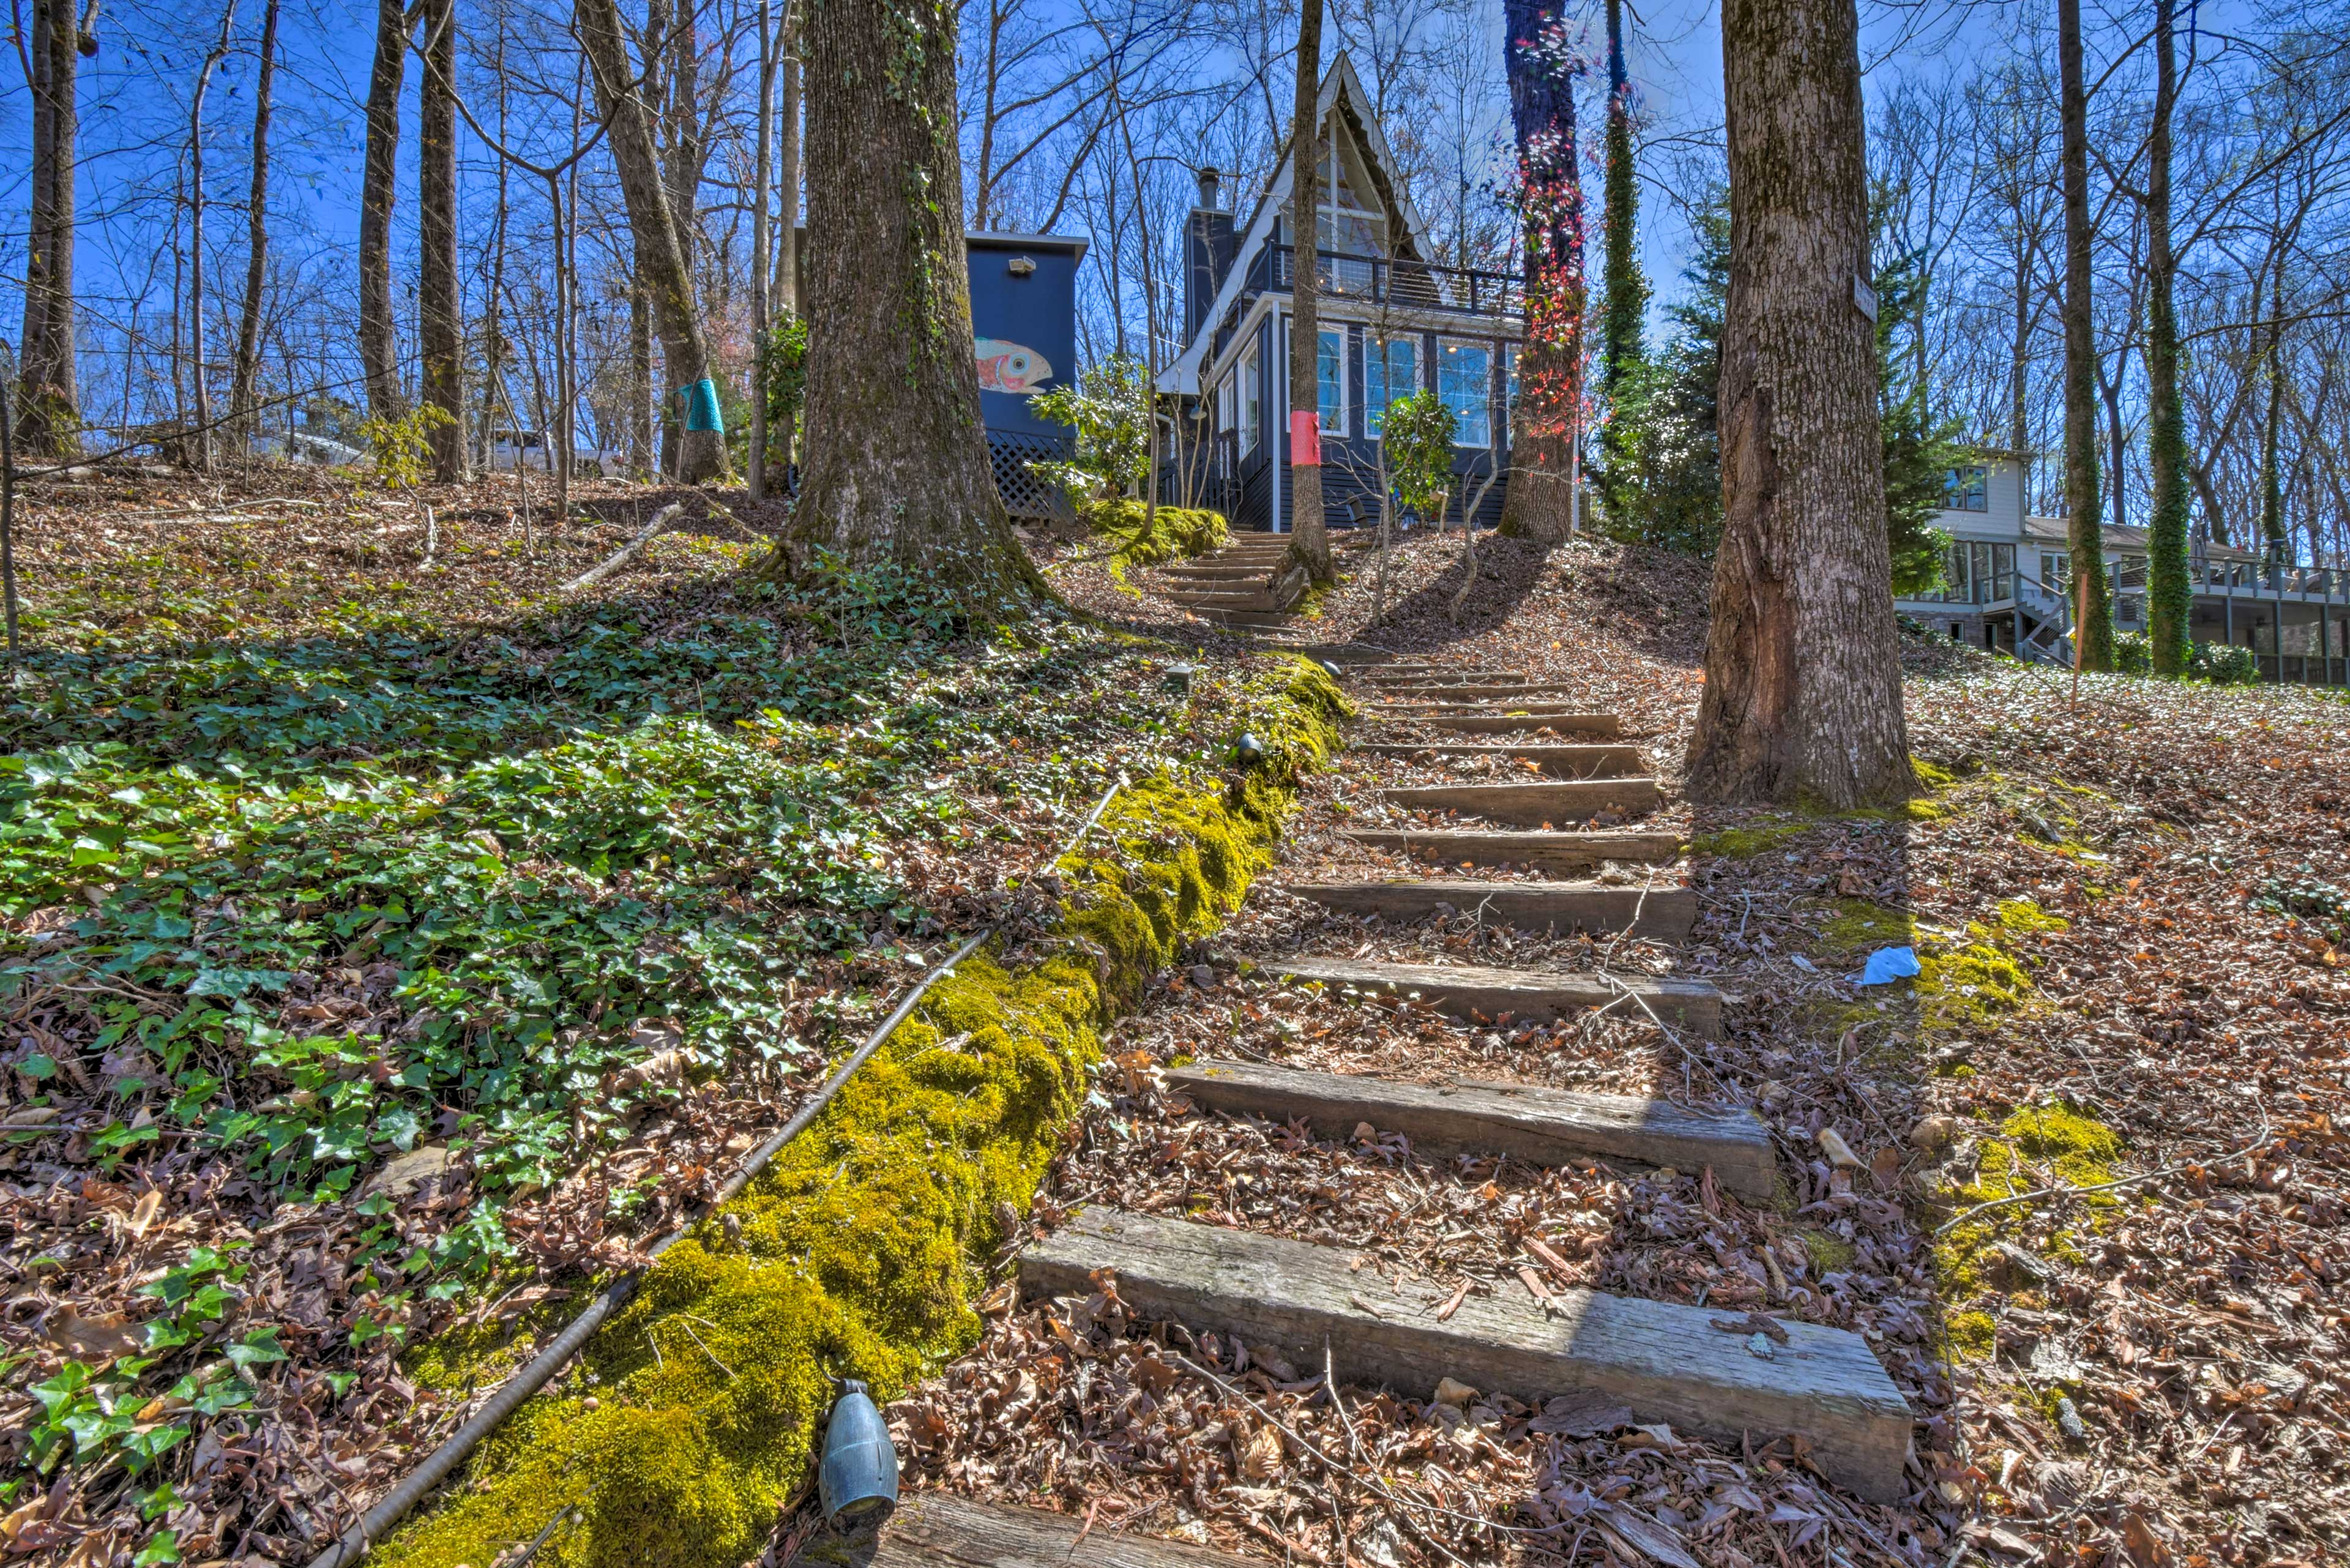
[301, 446]
[2007, 583]
[531, 447]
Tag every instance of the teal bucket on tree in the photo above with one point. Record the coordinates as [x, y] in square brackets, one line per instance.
[702, 406]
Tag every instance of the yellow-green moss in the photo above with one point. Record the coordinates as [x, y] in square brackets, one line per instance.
[1174, 532]
[2081, 1152]
[1827, 1250]
[1930, 776]
[1968, 986]
[2027, 915]
[1856, 925]
[1973, 1335]
[1745, 843]
[856, 1248]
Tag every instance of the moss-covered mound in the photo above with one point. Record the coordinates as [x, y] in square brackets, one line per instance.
[690, 1426]
[1148, 539]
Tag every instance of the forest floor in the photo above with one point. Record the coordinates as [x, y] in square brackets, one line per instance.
[2095, 1217]
[264, 1127]
[389, 940]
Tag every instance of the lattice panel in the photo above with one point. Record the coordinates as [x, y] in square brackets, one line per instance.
[1024, 494]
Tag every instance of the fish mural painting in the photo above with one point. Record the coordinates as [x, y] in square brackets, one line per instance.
[1005, 367]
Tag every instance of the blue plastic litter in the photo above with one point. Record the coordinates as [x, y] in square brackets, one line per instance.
[860, 1476]
[1886, 965]
[701, 407]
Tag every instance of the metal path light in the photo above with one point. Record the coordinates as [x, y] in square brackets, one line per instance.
[859, 1478]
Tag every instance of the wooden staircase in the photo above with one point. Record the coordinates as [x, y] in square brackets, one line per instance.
[1665, 1361]
[1242, 585]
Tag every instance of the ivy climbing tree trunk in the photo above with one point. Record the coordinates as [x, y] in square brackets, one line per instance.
[242, 397]
[2166, 597]
[49, 407]
[1538, 54]
[1309, 544]
[2084, 509]
[896, 465]
[440, 329]
[379, 344]
[1627, 291]
[660, 250]
[1803, 679]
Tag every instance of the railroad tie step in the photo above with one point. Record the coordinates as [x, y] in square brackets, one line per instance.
[1568, 761]
[1665, 1363]
[1536, 848]
[1452, 691]
[1540, 1125]
[1655, 914]
[939, 1530]
[1516, 722]
[1476, 991]
[1531, 805]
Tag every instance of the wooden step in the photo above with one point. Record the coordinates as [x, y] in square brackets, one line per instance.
[1658, 914]
[1446, 680]
[1269, 619]
[1558, 762]
[1195, 600]
[1526, 1121]
[1669, 1364]
[1211, 572]
[1466, 990]
[1455, 692]
[1534, 848]
[939, 1530]
[1349, 654]
[1489, 722]
[1421, 712]
[1531, 805]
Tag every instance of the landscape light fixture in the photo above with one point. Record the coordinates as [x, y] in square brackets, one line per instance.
[859, 1478]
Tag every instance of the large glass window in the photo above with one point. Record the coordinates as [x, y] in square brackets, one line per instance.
[1464, 379]
[1251, 398]
[1963, 490]
[1391, 370]
[1330, 371]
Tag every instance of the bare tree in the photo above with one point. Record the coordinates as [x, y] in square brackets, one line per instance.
[49, 407]
[256, 239]
[1310, 541]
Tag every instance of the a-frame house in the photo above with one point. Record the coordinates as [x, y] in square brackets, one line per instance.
[1393, 319]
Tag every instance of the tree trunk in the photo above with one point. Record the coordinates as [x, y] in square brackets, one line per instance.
[1535, 47]
[2166, 597]
[1309, 540]
[1803, 678]
[2084, 519]
[49, 408]
[788, 176]
[440, 330]
[2273, 534]
[241, 397]
[202, 382]
[1627, 291]
[379, 341]
[762, 178]
[660, 250]
[897, 465]
[643, 458]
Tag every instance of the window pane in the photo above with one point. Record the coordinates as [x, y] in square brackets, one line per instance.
[1330, 364]
[1464, 376]
[1962, 490]
[1391, 370]
[1250, 410]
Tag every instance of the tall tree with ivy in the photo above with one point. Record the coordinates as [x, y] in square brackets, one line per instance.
[1539, 54]
[895, 469]
[2084, 525]
[1622, 348]
[2166, 597]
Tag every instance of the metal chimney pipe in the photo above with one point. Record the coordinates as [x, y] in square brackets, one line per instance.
[1211, 187]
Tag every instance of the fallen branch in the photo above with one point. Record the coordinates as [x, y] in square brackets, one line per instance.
[621, 556]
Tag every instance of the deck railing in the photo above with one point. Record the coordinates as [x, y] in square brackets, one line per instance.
[1404, 285]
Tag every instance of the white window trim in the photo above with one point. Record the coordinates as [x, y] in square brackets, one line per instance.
[1252, 420]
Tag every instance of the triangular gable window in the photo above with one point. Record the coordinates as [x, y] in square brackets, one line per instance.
[1351, 222]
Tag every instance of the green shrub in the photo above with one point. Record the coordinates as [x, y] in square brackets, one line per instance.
[2133, 654]
[2224, 664]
